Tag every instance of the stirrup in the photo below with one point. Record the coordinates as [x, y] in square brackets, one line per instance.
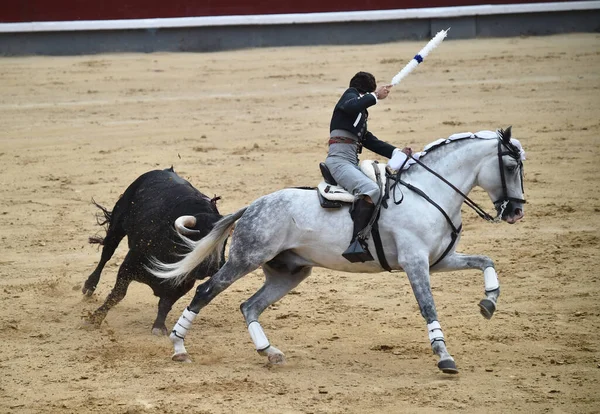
[358, 252]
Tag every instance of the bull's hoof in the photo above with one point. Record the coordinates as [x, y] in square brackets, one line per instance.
[160, 331]
[447, 366]
[88, 291]
[487, 308]
[182, 357]
[90, 324]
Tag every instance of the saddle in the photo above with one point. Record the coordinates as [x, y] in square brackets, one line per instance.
[331, 195]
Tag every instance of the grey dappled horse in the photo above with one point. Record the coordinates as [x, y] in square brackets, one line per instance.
[288, 233]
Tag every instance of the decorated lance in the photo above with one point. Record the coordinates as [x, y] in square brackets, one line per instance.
[433, 43]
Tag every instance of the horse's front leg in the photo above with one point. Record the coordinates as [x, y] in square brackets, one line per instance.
[458, 261]
[418, 275]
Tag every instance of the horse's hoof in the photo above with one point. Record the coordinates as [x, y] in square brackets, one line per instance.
[276, 359]
[183, 357]
[274, 355]
[447, 366]
[160, 331]
[487, 308]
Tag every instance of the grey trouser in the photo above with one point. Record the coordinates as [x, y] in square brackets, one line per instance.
[342, 162]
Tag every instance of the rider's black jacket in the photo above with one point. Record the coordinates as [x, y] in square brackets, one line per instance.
[350, 114]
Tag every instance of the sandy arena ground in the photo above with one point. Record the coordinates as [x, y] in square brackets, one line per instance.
[240, 124]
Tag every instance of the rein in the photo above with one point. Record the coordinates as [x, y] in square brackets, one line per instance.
[513, 152]
[473, 205]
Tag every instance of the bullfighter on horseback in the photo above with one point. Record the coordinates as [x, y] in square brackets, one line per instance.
[348, 135]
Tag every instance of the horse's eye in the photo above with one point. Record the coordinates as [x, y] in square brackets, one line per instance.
[511, 168]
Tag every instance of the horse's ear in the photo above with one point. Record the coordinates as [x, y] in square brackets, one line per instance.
[505, 134]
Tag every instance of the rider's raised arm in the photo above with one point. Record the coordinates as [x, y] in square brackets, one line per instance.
[352, 102]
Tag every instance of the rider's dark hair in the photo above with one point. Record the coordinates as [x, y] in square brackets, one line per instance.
[364, 82]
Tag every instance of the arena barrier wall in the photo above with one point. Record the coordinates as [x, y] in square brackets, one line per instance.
[226, 32]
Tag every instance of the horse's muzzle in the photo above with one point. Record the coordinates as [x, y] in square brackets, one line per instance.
[512, 219]
[513, 211]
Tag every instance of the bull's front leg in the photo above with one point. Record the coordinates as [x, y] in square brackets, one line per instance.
[418, 275]
[168, 297]
[458, 261]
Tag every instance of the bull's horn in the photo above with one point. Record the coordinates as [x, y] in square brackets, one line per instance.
[183, 223]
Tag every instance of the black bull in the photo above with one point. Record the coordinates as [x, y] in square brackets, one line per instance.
[146, 213]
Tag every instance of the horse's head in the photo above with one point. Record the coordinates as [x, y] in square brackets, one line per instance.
[502, 177]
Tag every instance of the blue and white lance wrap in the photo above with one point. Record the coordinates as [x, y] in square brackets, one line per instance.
[419, 57]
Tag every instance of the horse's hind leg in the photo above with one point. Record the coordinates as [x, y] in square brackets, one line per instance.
[418, 275]
[207, 291]
[458, 261]
[279, 281]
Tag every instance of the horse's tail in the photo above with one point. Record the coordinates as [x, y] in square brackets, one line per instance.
[200, 250]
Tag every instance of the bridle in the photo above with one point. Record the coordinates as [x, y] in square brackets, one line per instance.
[500, 204]
[515, 153]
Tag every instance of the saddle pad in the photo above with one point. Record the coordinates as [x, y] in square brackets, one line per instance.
[337, 193]
[366, 166]
[334, 193]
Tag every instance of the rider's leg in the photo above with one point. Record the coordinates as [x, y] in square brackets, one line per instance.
[344, 169]
[361, 213]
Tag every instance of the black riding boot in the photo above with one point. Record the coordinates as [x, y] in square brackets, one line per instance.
[358, 250]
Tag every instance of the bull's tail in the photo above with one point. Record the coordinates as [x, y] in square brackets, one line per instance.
[177, 272]
[103, 219]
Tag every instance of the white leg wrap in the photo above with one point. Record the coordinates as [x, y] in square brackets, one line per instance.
[184, 323]
[490, 279]
[178, 346]
[258, 336]
[435, 331]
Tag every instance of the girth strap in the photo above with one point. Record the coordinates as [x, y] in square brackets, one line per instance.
[364, 233]
[373, 226]
[379, 246]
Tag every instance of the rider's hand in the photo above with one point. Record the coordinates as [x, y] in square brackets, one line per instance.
[407, 150]
[383, 91]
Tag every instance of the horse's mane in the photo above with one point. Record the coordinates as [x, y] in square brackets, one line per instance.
[460, 137]
[513, 146]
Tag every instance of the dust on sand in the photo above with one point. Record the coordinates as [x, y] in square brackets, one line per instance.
[240, 124]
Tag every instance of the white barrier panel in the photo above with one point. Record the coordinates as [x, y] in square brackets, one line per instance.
[299, 18]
